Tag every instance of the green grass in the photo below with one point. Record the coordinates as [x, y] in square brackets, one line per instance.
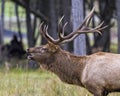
[19, 82]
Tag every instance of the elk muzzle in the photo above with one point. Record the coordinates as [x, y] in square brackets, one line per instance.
[29, 55]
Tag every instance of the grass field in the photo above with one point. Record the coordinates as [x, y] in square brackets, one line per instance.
[19, 82]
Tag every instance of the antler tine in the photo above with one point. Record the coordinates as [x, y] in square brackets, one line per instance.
[40, 29]
[61, 19]
[96, 29]
[63, 29]
[59, 26]
[45, 33]
[90, 16]
[100, 26]
[87, 19]
[85, 22]
[61, 34]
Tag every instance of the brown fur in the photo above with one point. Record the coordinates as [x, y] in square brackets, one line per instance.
[93, 72]
[67, 66]
[99, 72]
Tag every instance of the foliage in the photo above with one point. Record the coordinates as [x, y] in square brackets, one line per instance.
[10, 10]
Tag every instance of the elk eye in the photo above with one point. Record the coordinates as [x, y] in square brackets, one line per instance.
[44, 49]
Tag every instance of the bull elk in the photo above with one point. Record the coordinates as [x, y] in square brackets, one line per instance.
[99, 73]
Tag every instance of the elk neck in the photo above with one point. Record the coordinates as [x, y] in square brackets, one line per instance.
[68, 67]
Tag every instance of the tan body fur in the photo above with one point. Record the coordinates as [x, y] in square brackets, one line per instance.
[99, 72]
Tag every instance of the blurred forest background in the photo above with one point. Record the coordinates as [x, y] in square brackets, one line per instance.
[19, 22]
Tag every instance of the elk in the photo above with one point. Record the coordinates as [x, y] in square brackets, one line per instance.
[99, 73]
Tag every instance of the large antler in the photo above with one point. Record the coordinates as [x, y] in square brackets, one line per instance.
[83, 28]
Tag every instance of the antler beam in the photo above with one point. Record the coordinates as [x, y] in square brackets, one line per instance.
[83, 28]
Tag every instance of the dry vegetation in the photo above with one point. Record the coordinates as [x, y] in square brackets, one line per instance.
[19, 82]
[24, 82]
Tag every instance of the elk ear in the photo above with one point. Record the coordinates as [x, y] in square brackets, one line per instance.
[52, 47]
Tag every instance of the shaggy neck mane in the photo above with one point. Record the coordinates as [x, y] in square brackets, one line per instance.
[68, 67]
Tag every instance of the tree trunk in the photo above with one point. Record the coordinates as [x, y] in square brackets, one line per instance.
[48, 8]
[65, 7]
[77, 16]
[52, 19]
[106, 11]
[88, 46]
[18, 21]
[44, 8]
[30, 33]
[118, 19]
[1, 28]
[2, 22]
[34, 29]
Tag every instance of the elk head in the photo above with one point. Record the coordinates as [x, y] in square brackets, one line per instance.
[44, 53]
[47, 53]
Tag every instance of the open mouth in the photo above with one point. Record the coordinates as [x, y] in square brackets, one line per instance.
[30, 57]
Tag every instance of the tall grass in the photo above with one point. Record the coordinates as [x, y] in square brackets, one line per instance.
[24, 82]
[35, 83]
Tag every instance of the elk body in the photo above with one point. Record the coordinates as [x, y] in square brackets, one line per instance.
[99, 73]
